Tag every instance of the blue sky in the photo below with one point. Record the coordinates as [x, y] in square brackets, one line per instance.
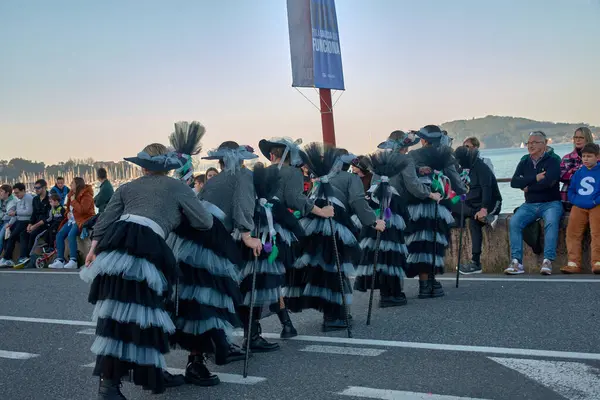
[103, 78]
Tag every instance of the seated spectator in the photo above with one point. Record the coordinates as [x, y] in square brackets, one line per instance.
[41, 208]
[211, 172]
[538, 176]
[584, 195]
[106, 190]
[55, 218]
[473, 143]
[482, 204]
[199, 183]
[8, 205]
[571, 162]
[60, 189]
[18, 228]
[80, 208]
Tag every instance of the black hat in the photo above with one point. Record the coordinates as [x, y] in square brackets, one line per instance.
[431, 134]
[290, 145]
[160, 163]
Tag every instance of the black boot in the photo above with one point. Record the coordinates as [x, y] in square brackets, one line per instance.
[258, 344]
[170, 381]
[393, 301]
[430, 288]
[226, 352]
[288, 330]
[197, 373]
[110, 390]
[333, 322]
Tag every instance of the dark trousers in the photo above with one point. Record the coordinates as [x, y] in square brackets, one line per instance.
[475, 227]
[18, 233]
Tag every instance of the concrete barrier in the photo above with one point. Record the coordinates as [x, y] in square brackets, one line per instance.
[495, 256]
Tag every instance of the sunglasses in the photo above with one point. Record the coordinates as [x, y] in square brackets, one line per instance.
[37, 187]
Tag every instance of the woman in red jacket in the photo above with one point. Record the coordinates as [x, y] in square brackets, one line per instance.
[80, 208]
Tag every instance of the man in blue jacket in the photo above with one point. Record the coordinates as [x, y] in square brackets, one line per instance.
[584, 194]
[537, 175]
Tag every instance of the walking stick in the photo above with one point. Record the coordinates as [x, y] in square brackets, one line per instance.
[251, 311]
[373, 277]
[460, 236]
[435, 233]
[339, 268]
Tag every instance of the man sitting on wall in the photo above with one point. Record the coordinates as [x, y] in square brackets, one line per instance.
[538, 176]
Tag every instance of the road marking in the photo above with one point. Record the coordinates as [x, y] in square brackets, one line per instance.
[370, 393]
[48, 272]
[572, 380]
[89, 331]
[371, 342]
[47, 321]
[15, 355]
[351, 351]
[532, 279]
[226, 378]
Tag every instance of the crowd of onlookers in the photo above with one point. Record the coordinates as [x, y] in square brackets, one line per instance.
[44, 221]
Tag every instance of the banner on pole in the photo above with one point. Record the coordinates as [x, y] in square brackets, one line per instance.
[314, 44]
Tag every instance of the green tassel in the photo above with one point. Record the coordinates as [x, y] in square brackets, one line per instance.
[274, 254]
[297, 214]
[378, 213]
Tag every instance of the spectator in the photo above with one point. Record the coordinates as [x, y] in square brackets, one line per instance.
[308, 183]
[55, 218]
[538, 176]
[482, 204]
[8, 205]
[18, 228]
[473, 143]
[41, 208]
[60, 189]
[584, 194]
[360, 167]
[80, 208]
[211, 172]
[106, 190]
[571, 162]
[199, 183]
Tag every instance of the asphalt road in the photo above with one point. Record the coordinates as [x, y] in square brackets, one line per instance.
[493, 338]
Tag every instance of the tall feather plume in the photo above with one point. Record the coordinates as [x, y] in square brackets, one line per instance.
[387, 163]
[438, 158]
[266, 181]
[187, 137]
[319, 158]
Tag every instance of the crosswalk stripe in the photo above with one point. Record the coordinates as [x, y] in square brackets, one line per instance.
[572, 380]
[224, 377]
[89, 331]
[16, 355]
[385, 394]
[351, 351]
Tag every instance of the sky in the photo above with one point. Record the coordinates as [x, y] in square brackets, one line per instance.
[102, 79]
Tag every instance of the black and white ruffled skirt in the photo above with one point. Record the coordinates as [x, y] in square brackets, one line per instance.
[425, 223]
[130, 280]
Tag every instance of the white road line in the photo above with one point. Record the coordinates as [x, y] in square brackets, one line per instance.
[572, 380]
[370, 393]
[15, 355]
[35, 272]
[372, 342]
[351, 351]
[226, 378]
[89, 331]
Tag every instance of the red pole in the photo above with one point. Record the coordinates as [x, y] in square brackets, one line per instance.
[327, 117]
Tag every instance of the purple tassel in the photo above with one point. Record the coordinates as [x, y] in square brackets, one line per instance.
[387, 214]
[463, 197]
[268, 247]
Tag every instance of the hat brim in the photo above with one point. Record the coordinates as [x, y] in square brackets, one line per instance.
[386, 144]
[265, 147]
[149, 165]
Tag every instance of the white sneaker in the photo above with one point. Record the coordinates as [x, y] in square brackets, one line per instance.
[72, 264]
[546, 267]
[515, 268]
[8, 264]
[3, 262]
[57, 264]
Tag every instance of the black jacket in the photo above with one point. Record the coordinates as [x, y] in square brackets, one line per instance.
[483, 188]
[547, 189]
[41, 208]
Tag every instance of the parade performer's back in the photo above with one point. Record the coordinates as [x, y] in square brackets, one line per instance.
[132, 270]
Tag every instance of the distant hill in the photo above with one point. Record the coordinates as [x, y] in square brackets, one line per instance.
[501, 132]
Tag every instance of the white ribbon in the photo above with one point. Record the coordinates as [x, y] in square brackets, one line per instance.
[269, 212]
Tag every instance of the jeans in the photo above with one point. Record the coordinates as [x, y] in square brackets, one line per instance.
[550, 212]
[71, 232]
[2, 232]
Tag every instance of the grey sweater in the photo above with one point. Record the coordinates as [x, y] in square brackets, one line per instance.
[291, 190]
[408, 182]
[348, 188]
[6, 206]
[157, 197]
[235, 196]
[25, 208]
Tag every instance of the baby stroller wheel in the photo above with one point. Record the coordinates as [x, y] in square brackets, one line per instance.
[40, 262]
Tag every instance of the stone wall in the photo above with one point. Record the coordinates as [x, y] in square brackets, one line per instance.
[495, 255]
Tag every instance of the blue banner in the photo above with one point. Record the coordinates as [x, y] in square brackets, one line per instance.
[327, 56]
[314, 44]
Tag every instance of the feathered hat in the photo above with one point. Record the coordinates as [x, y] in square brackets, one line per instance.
[231, 156]
[385, 165]
[290, 146]
[324, 162]
[186, 141]
[431, 134]
[159, 163]
[401, 140]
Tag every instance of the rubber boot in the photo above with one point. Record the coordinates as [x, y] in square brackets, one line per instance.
[288, 330]
[197, 373]
[110, 390]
